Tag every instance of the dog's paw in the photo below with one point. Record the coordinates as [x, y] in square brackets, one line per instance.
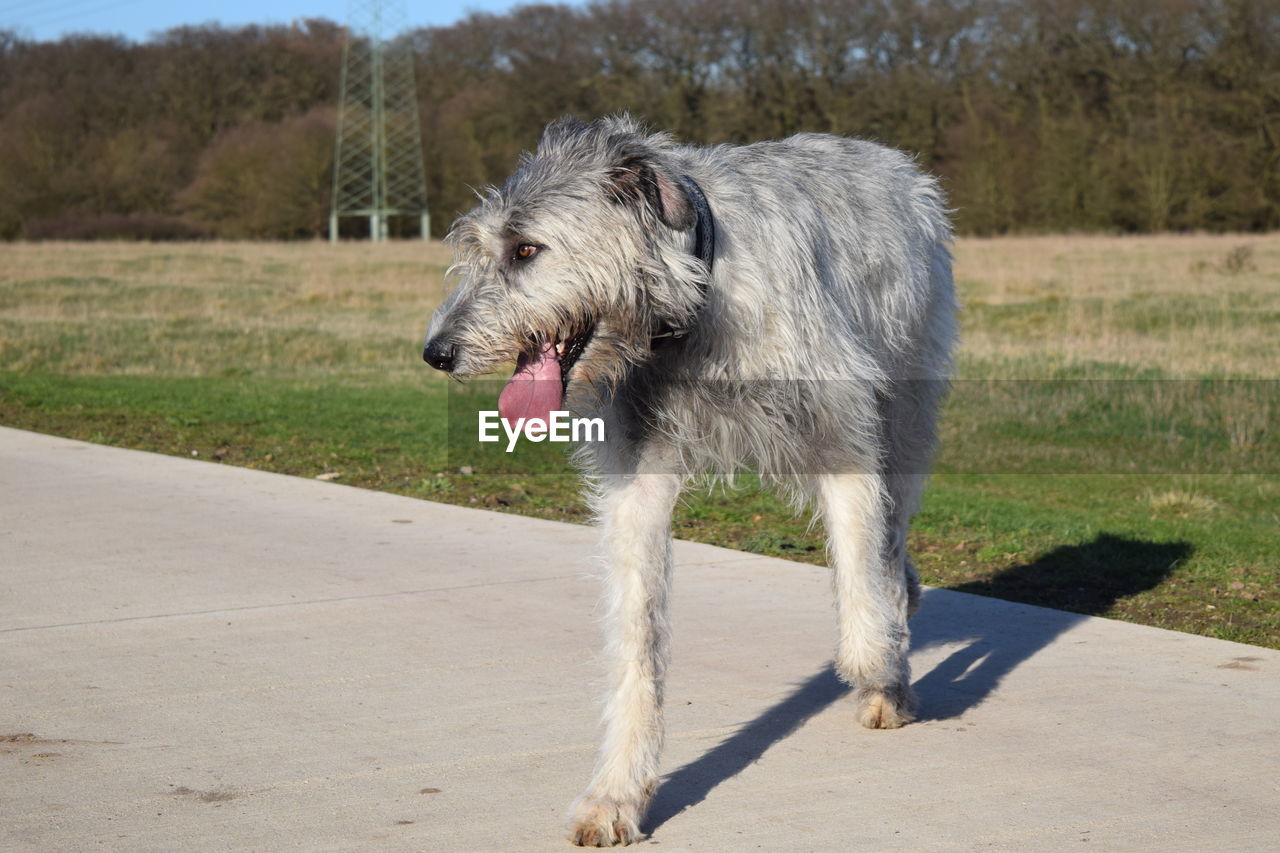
[604, 822]
[889, 708]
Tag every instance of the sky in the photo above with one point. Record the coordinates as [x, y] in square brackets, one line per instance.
[47, 20]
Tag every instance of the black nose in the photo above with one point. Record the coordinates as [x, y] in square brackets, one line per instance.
[439, 354]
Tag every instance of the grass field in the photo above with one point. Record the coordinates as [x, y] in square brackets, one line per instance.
[1108, 448]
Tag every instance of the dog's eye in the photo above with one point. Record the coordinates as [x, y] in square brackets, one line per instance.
[524, 252]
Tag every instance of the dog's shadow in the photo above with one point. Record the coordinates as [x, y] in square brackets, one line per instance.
[1088, 579]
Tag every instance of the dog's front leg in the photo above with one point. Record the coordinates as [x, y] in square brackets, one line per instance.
[635, 516]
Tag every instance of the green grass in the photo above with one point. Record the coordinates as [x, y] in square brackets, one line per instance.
[1110, 489]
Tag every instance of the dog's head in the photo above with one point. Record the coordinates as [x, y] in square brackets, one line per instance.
[571, 266]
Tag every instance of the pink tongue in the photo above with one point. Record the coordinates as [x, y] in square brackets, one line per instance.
[535, 389]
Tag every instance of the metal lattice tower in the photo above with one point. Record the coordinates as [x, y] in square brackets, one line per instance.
[377, 159]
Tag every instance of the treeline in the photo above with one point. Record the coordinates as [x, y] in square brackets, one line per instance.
[199, 131]
[1045, 115]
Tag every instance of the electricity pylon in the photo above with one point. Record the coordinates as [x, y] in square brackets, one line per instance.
[377, 158]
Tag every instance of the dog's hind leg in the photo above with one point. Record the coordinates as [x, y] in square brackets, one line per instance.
[872, 597]
[635, 515]
[905, 492]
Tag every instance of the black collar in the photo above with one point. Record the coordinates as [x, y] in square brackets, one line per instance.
[704, 246]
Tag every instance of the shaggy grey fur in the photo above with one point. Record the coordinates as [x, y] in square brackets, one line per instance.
[817, 350]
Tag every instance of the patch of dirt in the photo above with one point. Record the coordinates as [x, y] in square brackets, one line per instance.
[1240, 663]
[25, 738]
[217, 795]
[21, 746]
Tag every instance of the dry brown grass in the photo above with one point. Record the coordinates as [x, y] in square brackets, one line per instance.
[1184, 305]
[199, 308]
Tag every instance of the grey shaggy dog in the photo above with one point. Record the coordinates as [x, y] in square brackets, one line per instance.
[784, 307]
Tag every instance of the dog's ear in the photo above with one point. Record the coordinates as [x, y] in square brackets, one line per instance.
[637, 179]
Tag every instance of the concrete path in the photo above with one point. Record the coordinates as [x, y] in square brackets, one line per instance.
[199, 657]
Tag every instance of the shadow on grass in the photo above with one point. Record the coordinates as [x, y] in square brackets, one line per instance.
[1085, 579]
